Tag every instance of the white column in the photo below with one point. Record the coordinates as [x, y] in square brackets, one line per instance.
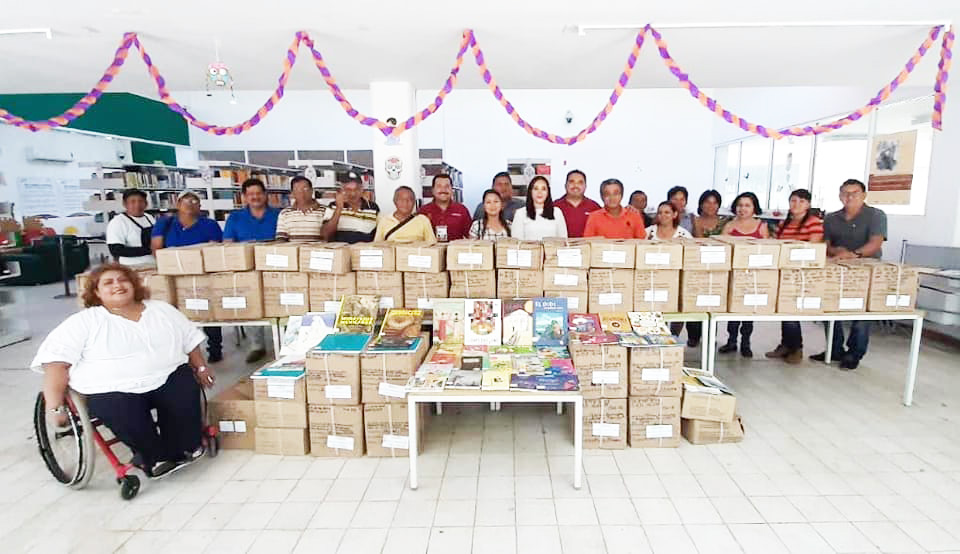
[398, 100]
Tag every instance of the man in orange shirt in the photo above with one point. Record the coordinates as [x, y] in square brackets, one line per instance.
[614, 221]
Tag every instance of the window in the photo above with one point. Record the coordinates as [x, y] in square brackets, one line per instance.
[726, 169]
[791, 168]
[755, 168]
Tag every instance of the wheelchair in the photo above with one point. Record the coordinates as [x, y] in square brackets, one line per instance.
[68, 452]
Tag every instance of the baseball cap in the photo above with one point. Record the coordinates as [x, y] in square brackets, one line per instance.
[186, 193]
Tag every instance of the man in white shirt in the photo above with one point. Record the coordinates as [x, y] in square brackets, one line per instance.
[128, 234]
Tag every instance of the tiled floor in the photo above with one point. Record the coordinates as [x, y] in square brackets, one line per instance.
[831, 463]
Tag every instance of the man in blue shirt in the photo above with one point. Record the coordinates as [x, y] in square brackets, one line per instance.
[188, 227]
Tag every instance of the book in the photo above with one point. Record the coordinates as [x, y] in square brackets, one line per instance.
[581, 325]
[483, 322]
[615, 322]
[433, 379]
[461, 379]
[472, 362]
[528, 364]
[511, 349]
[602, 338]
[553, 352]
[559, 382]
[399, 332]
[343, 342]
[449, 316]
[518, 322]
[358, 313]
[496, 379]
[550, 321]
[289, 367]
[446, 354]
[501, 362]
[304, 332]
[562, 366]
[648, 323]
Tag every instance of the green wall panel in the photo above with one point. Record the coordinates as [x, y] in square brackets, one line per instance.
[148, 153]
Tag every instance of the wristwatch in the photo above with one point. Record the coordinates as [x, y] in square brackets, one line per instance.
[61, 409]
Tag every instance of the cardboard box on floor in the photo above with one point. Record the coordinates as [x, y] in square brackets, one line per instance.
[700, 403]
[610, 290]
[846, 287]
[285, 293]
[470, 255]
[419, 289]
[473, 284]
[893, 288]
[703, 291]
[277, 256]
[706, 255]
[697, 431]
[519, 254]
[613, 254]
[281, 403]
[565, 279]
[795, 254]
[373, 256]
[384, 376]
[336, 431]
[333, 378]
[577, 301]
[605, 423]
[230, 256]
[656, 371]
[569, 253]
[237, 296]
[421, 257]
[326, 290]
[325, 257]
[601, 369]
[387, 430]
[755, 254]
[282, 442]
[181, 260]
[801, 291]
[753, 291]
[388, 285]
[233, 411]
[659, 255]
[519, 283]
[195, 296]
[654, 422]
[656, 290]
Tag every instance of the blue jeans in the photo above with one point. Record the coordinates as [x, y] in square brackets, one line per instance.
[857, 339]
[790, 335]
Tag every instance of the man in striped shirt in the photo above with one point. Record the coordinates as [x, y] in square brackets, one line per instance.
[351, 218]
[305, 219]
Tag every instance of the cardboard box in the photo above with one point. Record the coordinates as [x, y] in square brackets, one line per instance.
[753, 291]
[388, 285]
[373, 256]
[470, 255]
[703, 291]
[161, 287]
[326, 290]
[180, 260]
[656, 371]
[285, 293]
[237, 296]
[519, 283]
[706, 255]
[275, 407]
[601, 369]
[233, 411]
[384, 376]
[419, 289]
[282, 442]
[611, 290]
[565, 279]
[472, 284]
[708, 407]
[570, 253]
[336, 431]
[846, 287]
[795, 254]
[325, 257]
[333, 379]
[893, 288]
[417, 257]
[605, 423]
[659, 254]
[756, 254]
[654, 422]
[277, 256]
[519, 254]
[613, 254]
[387, 430]
[577, 301]
[801, 291]
[229, 256]
[195, 296]
[656, 290]
[697, 431]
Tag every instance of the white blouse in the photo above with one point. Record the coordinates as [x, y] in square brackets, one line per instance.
[110, 353]
[524, 228]
[678, 233]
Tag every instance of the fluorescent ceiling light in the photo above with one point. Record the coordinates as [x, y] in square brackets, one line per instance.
[47, 31]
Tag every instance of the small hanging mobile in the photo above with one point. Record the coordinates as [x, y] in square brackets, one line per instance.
[219, 77]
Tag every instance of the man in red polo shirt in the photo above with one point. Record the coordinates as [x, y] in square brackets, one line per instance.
[574, 205]
[451, 220]
[614, 221]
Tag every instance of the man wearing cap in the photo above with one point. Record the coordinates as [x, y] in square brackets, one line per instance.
[128, 234]
[188, 227]
[353, 218]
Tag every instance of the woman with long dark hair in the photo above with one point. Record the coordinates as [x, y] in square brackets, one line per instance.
[490, 223]
[539, 219]
[746, 206]
[666, 226]
[708, 221]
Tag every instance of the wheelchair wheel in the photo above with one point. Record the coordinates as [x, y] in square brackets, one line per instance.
[129, 486]
[66, 451]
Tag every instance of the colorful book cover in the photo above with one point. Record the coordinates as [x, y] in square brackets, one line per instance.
[553, 352]
[648, 323]
[602, 338]
[632, 340]
[446, 354]
[472, 362]
[523, 382]
[518, 322]
[460, 379]
[583, 325]
[529, 365]
[501, 362]
[290, 367]
[496, 380]
[358, 313]
[432, 380]
[304, 332]
[562, 382]
[550, 321]
[343, 342]
[563, 367]
[615, 322]
[399, 332]
[511, 349]
[449, 315]
[660, 340]
[483, 322]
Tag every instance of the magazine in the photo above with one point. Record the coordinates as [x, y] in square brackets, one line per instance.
[358, 313]
[553, 352]
[529, 364]
[511, 349]
[428, 379]
[448, 354]
[483, 322]
[518, 321]
[460, 379]
[602, 338]
[559, 382]
[615, 322]
[496, 379]
[648, 323]
[562, 366]
[448, 320]
[582, 325]
[304, 332]
[343, 342]
[550, 321]
[399, 332]
[289, 367]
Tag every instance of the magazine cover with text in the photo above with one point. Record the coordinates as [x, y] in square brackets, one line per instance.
[358, 313]
[399, 332]
[550, 321]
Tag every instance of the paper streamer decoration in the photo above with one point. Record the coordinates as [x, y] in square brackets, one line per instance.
[943, 71]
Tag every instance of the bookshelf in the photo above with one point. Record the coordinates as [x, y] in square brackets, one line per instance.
[436, 166]
[330, 173]
[522, 170]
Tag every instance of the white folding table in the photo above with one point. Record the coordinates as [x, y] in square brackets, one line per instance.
[696, 317]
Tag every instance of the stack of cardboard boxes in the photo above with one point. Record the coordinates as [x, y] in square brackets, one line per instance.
[471, 264]
[655, 390]
[424, 273]
[611, 276]
[565, 266]
[329, 274]
[281, 416]
[234, 413]
[755, 276]
[377, 274]
[519, 269]
[709, 414]
[657, 280]
[705, 276]
[333, 397]
[602, 372]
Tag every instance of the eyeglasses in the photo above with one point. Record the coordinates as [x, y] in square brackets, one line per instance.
[851, 193]
[190, 200]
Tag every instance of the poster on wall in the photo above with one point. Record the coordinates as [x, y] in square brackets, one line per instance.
[57, 202]
[891, 168]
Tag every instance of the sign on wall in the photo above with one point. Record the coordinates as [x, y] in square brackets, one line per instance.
[891, 168]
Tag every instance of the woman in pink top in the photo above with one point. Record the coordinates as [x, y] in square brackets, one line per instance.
[746, 207]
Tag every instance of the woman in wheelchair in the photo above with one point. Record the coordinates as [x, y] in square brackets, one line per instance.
[129, 355]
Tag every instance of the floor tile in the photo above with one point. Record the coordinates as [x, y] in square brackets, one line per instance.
[501, 512]
[696, 511]
[274, 541]
[644, 486]
[801, 538]
[575, 511]
[616, 511]
[736, 509]
[495, 540]
[581, 538]
[533, 486]
[333, 515]
[844, 537]
[929, 535]
[625, 539]
[712, 539]
[444, 540]
[669, 539]
[495, 487]
[656, 511]
[407, 540]
[856, 508]
[320, 541]
[538, 539]
[455, 513]
[777, 509]
[415, 513]
[532, 511]
[887, 537]
[757, 539]
[817, 508]
[252, 516]
[362, 541]
[374, 514]
[293, 516]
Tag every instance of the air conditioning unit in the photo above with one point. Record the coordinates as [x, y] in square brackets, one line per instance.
[50, 154]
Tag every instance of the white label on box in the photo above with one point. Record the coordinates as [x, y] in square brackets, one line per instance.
[321, 261]
[396, 441]
[240, 426]
[227, 427]
[340, 443]
[386, 302]
[656, 258]
[564, 280]
[278, 260]
[234, 302]
[371, 259]
[423, 262]
[659, 431]
[851, 303]
[610, 298]
[808, 303]
[389, 389]
[655, 374]
[470, 258]
[613, 257]
[803, 254]
[569, 257]
[901, 302]
[760, 260]
[291, 299]
[331, 306]
[281, 388]
[573, 302]
[606, 430]
[754, 299]
[522, 258]
[605, 378]
[424, 303]
[712, 255]
[655, 295]
[708, 300]
[338, 391]
[199, 304]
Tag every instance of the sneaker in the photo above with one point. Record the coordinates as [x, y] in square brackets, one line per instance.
[728, 348]
[160, 469]
[255, 355]
[693, 343]
[215, 357]
[794, 357]
[821, 357]
[780, 352]
[745, 351]
[849, 362]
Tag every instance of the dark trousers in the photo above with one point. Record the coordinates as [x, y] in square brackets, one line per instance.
[790, 335]
[745, 328]
[177, 429]
[857, 340]
[214, 339]
[694, 329]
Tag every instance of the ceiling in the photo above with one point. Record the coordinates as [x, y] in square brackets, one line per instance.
[528, 44]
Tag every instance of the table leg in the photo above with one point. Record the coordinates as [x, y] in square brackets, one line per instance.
[559, 408]
[914, 360]
[828, 353]
[711, 345]
[577, 442]
[412, 433]
[439, 408]
[275, 331]
[704, 345]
